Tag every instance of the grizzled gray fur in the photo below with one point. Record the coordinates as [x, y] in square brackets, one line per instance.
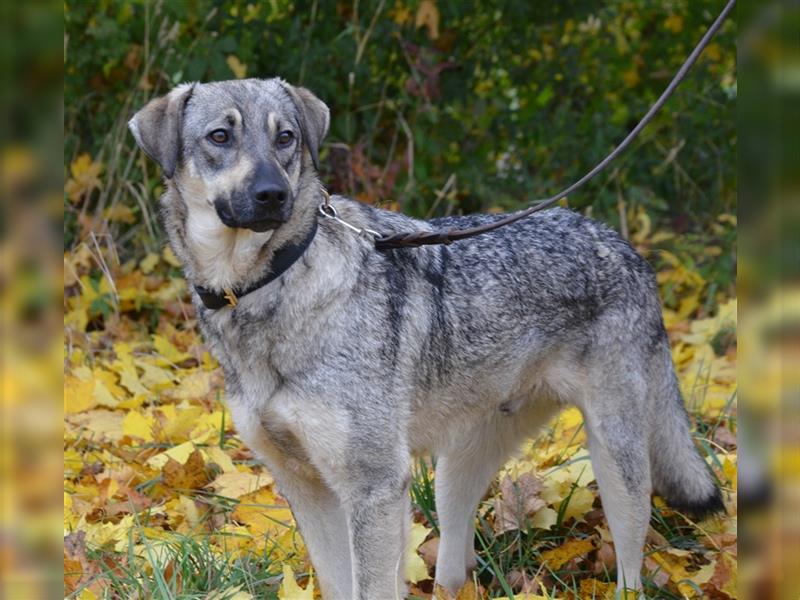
[353, 361]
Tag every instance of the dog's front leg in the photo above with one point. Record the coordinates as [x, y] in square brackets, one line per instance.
[378, 509]
[323, 524]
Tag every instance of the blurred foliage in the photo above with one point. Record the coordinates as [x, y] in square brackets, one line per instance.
[437, 106]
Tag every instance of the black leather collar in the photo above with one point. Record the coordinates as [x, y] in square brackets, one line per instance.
[283, 258]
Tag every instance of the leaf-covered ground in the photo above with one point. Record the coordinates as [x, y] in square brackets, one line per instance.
[163, 500]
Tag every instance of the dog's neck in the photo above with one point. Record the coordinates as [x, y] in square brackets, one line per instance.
[218, 257]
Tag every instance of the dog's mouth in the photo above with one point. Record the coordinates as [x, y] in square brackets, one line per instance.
[259, 226]
[262, 226]
[253, 222]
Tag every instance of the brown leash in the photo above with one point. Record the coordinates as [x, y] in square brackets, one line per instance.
[413, 239]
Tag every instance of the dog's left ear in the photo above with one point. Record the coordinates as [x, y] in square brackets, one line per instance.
[158, 128]
[314, 119]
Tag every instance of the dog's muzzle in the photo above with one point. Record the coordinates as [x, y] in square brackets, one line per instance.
[265, 204]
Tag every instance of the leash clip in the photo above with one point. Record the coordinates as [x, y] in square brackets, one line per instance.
[327, 210]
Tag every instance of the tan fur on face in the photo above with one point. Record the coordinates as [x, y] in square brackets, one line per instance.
[224, 256]
[272, 124]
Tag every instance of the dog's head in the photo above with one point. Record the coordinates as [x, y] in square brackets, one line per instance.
[240, 147]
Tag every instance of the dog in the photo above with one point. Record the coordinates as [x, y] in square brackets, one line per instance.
[343, 362]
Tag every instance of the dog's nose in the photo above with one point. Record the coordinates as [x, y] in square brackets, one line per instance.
[271, 194]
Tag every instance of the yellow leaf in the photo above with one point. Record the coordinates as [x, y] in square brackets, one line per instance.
[238, 484]
[153, 376]
[400, 15]
[169, 354]
[264, 513]
[101, 534]
[578, 472]
[149, 262]
[674, 23]
[689, 305]
[571, 418]
[120, 213]
[102, 395]
[188, 509]
[85, 177]
[236, 66]
[128, 377]
[428, 16]
[101, 423]
[169, 257]
[289, 589]
[673, 562]
[135, 424]
[544, 518]
[580, 503]
[631, 77]
[599, 590]
[78, 394]
[415, 569]
[217, 455]
[234, 593]
[179, 454]
[210, 424]
[180, 423]
[195, 386]
[557, 557]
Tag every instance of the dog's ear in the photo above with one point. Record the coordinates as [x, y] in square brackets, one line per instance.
[158, 126]
[314, 119]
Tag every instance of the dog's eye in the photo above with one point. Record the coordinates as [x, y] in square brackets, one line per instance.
[219, 136]
[285, 138]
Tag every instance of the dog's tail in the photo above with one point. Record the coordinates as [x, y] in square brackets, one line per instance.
[679, 473]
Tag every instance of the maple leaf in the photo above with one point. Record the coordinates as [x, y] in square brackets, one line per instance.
[85, 178]
[520, 500]
[263, 512]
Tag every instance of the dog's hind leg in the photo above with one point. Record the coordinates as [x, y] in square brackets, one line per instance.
[462, 477]
[617, 428]
[464, 472]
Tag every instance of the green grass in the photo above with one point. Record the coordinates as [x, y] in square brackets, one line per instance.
[187, 567]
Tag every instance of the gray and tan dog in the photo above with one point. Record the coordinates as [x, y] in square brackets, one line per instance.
[342, 362]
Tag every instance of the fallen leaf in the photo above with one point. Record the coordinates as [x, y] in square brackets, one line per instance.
[415, 569]
[263, 512]
[520, 500]
[544, 518]
[135, 424]
[289, 589]
[85, 178]
[599, 590]
[238, 484]
[179, 453]
[187, 476]
[557, 557]
[78, 394]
